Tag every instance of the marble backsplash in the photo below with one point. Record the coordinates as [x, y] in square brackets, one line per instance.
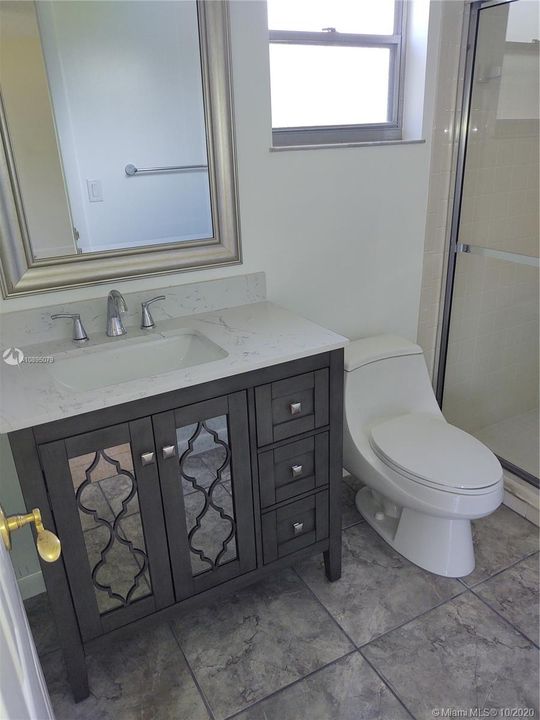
[28, 327]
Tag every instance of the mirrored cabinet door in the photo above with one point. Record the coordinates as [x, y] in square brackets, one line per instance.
[106, 500]
[203, 452]
[204, 465]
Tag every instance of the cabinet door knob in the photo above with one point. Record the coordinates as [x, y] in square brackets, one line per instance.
[298, 528]
[295, 408]
[168, 451]
[296, 470]
[147, 458]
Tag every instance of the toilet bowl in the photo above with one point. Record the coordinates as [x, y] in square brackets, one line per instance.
[424, 479]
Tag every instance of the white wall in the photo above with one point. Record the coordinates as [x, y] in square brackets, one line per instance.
[339, 232]
[126, 85]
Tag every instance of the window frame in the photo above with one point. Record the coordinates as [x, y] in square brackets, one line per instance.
[360, 133]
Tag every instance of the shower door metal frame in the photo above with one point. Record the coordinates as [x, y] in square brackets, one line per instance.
[470, 38]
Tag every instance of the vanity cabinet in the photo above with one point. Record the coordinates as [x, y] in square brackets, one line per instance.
[178, 497]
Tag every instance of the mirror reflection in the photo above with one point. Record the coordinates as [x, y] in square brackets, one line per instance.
[205, 470]
[105, 115]
[108, 503]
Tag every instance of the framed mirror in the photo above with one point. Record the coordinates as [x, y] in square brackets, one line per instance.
[118, 156]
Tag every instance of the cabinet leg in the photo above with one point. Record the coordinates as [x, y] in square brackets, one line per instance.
[69, 635]
[77, 673]
[332, 562]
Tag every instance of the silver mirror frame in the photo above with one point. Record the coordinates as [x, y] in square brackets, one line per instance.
[20, 274]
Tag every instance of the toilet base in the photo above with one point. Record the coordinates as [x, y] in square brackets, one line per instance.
[441, 545]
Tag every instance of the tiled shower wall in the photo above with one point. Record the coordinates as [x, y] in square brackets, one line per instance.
[492, 363]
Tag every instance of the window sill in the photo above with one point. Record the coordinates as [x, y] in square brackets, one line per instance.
[368, 143]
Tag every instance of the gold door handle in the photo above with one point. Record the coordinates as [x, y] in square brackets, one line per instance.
[48, 545]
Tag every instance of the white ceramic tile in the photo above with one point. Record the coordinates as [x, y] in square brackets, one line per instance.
[516, 439]
[515, 504]
[533, 515]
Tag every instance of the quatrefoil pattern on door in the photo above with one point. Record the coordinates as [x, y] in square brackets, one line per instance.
[107, 501]
[204, 461]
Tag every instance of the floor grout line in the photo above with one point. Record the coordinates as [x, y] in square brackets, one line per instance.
[410, 620]
[326, 610]
[467, 590]
[357, 649]
[284, 687]
[294, 682]
[513, 564]
[388, 684]
[506, 620]
[396, 627]
[192, 673]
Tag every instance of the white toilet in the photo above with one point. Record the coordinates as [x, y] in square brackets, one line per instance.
[425, 479]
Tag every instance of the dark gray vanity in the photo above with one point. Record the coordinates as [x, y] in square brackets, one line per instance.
[176, 497]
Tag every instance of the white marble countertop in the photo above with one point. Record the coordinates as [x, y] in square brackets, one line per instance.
[254, 336]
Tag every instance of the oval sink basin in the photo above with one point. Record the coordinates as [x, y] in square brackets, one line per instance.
[124, 360]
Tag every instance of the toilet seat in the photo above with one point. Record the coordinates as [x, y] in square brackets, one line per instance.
[428, 450]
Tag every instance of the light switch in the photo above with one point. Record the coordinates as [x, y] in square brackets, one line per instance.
[95, 191]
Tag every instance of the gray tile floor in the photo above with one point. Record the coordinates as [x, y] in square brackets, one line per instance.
[387, 641]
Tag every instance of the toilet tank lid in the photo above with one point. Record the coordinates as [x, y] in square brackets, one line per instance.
[371, 349]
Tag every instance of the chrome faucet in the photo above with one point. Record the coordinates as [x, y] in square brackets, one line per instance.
[79, 333]
[115, 306]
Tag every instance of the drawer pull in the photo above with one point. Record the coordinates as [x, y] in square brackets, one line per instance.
[147, 458]
[298, 528]
[295, 408]
[296, 470]
[168, 451]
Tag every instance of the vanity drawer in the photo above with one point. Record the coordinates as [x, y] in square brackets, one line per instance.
[295, 526]
[293, 469]
[292, 406]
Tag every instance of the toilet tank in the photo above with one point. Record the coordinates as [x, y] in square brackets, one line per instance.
[385, 376]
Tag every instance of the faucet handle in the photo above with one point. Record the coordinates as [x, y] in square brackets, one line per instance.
[147, 321]
[79, 333]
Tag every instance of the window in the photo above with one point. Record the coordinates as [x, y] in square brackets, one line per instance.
[336, 69]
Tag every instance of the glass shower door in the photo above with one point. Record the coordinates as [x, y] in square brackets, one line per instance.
[490, 361]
